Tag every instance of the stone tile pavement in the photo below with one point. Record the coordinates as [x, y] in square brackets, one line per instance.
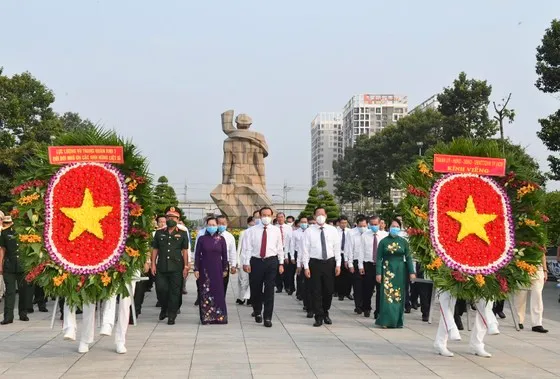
[292, 348]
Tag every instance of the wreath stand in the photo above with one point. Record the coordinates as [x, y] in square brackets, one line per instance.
[99, 305]
[511, 303]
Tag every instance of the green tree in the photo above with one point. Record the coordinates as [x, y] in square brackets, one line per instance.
[319, 196]
[27, 124]
[72, 122]
[548, 81]
[552, 211]
[164, 196]
[465, 107]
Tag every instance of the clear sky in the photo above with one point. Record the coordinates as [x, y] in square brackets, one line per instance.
[161, 72]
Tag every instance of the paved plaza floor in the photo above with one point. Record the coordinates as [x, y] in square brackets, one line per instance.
[292, 348]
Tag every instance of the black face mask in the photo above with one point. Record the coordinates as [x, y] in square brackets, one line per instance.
[171, 223]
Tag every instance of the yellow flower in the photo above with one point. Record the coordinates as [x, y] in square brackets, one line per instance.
[132, 185]
[28, 199]
[30, 238]
[105, 279]
[424, 170]
[525, 190]
[420, 213]
[436, 264]
[132, 252]
[479, 279]
[58, 280]
[529, 268]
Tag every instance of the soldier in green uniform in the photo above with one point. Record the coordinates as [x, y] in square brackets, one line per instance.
[170, 265]
[13, 273]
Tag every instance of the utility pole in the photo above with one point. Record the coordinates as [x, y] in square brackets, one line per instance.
[285, 191]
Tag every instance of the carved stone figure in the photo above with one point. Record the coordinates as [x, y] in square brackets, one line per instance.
[243, 188]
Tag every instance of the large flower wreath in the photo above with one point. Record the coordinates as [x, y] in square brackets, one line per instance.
[84, 228]
[475, 236]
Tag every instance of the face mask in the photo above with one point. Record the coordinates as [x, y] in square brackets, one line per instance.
[303, 226]
[362, 229]
[266, 220]
[321, 220]
[257, 221]
[221, 228]
[394, 231]
[374, 228]
[290, 224]
[171, 223]
[212, 229]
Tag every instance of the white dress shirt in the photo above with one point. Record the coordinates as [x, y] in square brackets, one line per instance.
[297, 238]
[312, 244]
[240, 245]
[253, 239]
[366, 252]
[231, 248]
[354, 242]
[286, 233]
[346, 231]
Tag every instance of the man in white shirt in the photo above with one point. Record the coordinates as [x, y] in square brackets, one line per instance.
[231, 248]
[287, 280]
[352, 254]
[343, 283]
[303, 282]
[367, 265]
[262, 259]
[321, 261]
[243, 292]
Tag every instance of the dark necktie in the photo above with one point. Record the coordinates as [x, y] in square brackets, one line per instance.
[374, 248]
[282, 233]
[323, 244]
[343, 240]
[263, 243]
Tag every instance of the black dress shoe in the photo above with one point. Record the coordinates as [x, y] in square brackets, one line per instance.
[341, 298]
[162, 315]
[268, 323]
[407, 310]
[539, 329]
[367, 314]
[43, 309]
[521, 326]
[458, 322]
[249, 302]
[350, 297]
[328, 320]
[310, 314]
[6, 322]
[318, 323]
[425, 318]
[253, 314]
[197, 302]
[305, 309]
[240, 302]
[258, 319]
[501, 315]
[25, 318]
[358, 311]
[171, 321]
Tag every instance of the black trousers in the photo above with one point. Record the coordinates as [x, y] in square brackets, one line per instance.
[343, 282]
[279, 281]
[358, 286]
[422, 290]
[263, 273]
[290, 273]
[25, 300]
[139, 292]
[498, 306]
[40, 298]
[169, 287]
[322, 285]
[370, 286]
[460, 307]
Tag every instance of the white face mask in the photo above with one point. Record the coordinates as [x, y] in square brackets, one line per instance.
[362, 229]
[290, 224]
[321, 220]
[266, 220]
[257, 221]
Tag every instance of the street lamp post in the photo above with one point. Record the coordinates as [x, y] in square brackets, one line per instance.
[283, 202]
[420, 144]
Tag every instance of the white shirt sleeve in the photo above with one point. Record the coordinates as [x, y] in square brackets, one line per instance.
[305, 246]
[232, 251]
[336, 248]
[361, 253]
[247, 248]
[280, 248]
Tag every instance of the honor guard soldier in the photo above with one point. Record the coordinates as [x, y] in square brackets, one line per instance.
[13, 273]
[170, 265]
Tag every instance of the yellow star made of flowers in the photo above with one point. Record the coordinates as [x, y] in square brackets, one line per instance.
[87, 218]
[472, 222]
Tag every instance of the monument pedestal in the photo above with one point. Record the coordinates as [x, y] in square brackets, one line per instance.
[238, 202]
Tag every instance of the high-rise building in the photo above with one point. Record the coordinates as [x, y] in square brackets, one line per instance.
[431, 103]
[326, 146]
[369, 113]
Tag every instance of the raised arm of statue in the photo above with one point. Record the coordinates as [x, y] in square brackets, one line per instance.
[227, 122]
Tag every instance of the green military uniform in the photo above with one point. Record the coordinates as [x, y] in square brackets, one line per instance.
[14, 275]
[170, 265]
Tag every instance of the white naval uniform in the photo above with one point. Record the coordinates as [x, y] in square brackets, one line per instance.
[244, 290]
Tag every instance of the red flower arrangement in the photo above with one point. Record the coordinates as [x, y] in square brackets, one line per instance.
[137, 232]
[416, 191]
[503, 283]
[35, 272]
[415, 232]
[25, 186]
[119, 267]
[458, 276]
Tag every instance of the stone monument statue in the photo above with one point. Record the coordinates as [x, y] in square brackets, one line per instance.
[243, 188]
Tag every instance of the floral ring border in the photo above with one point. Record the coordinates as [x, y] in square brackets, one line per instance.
[506, 256]
[49, 211]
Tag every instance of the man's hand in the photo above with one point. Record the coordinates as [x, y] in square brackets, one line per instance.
[351, 269]
[412, 276]
[346, 265]
[307, 273]
[293, 261]
[281, 269]
[247, 268]
[196, 275]
[154, 271]
[225, 274]
[146, 267]
[185, 272]
[362, 271]
[298, 271]
[337, 271]
[233, 270]
[378, 278]
[545, 276]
